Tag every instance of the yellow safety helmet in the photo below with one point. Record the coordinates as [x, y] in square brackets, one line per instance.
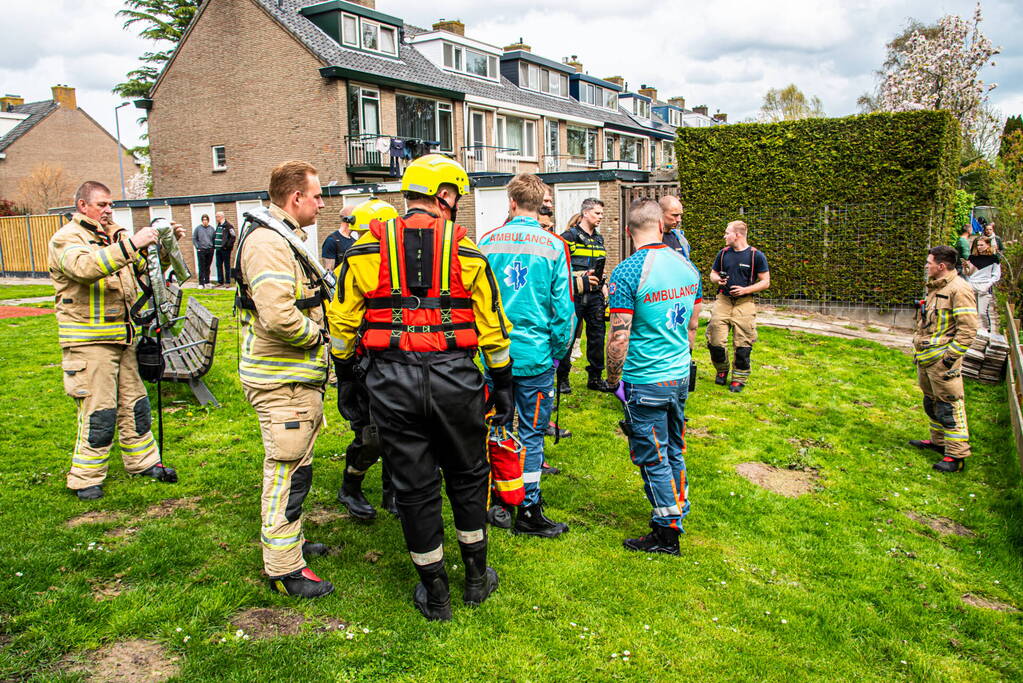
[426, 174]
[370, 210]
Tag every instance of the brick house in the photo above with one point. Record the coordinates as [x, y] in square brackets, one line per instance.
[59, 134]
[337, 83]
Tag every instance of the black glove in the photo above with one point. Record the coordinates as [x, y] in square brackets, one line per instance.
[948, 362]
[352, 397]
[692, 377]
[501, 398]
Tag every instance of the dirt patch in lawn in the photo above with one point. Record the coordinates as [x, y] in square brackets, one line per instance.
[122, 531]
[323, 515]
[22, 312]
[987, 603]
[943, 525]
[788, 483]
[167, 507]
[106, 589]
[94, 517]
[262, 622]
[699, 433]
[133, 661]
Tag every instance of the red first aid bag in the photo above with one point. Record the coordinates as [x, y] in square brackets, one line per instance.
[506, 455]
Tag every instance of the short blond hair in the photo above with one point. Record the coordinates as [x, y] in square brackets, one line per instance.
[291, 176]
[738, 227]
[527, 191]
[643, 212]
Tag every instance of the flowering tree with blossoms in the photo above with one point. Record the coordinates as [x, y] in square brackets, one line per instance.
[940, 69]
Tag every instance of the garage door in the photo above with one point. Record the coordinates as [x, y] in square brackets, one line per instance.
[567, 199]
[491, 209]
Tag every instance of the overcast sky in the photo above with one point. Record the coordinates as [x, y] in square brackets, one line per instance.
[725, 54]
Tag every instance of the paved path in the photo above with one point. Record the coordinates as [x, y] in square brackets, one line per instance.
[813, 324]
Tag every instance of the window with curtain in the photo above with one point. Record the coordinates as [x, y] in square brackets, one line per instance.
[425, 119]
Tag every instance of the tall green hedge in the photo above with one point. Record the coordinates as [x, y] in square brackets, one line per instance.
[845, 209]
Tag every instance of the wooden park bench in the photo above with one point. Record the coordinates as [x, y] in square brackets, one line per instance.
[189, 354]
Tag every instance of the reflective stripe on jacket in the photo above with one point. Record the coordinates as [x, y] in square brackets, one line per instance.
[281, 344]
[587, 253]
[94, 289]
[946, 321]
[533, 274]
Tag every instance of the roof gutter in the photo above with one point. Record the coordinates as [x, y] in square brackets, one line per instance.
[352, 74]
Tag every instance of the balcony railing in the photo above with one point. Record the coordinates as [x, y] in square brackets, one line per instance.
[371, 153]
[559, 163]
[627, 164]
[488, 159]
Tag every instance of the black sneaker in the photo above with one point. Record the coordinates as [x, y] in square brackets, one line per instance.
[160, 472]
[950, 464]
[350, 495]
[598, 384]
[499, 516]
[531, 521]
[721, 378]
[928, 444]
[554, 431]
[90, 492]
[661, 539]
[302, 584]
[736, 387]
[564, 387]
[310, 549]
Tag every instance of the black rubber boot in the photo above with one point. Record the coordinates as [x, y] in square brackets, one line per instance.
[661, 539]
[160, 472]
[480, 580]
[552, 430]
[548, 468]
[721, 379]
[927, 444]
[90, 492]
[310, 549]
[736, 387]
[302, 584]
[499, 516]
[563, 386]
[598, 384]
[431, 596]
[350, 495]
[531, 521]
[389, 503]
[950, 464]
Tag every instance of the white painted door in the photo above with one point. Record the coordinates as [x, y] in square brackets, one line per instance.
[491, 209]
[243, 206]
[159, 212]
[123, 218]
[568, 197]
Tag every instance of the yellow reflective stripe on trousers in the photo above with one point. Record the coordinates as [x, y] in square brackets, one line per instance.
[281, 542]
[86, 332]
[275, 495]
[141, 447]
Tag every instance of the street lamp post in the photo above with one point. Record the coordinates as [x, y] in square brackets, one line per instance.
[120, 153]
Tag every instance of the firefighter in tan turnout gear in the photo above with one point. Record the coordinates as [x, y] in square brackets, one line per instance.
[283, 370]
[946, 323]
[94, 265]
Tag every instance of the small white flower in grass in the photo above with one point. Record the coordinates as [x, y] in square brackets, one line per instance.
[186, 639]
[784, 621]
[997, 581]
[614, 655]
[536, 607]
[586, 628]
[767, 612]
[902, 661]
[178, 629]
[972, 496]
[18, 574]
[723, 583]
[365, 630]
[572, 624]
[223, 640]
[245, 637]
[581, 635]
[349, 636]
[625, 659]
[714, 619]
[239, 633]
[646, 627]
[731, 493]
[626, 653]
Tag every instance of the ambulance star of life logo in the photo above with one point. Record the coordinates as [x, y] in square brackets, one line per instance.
[677, 316]
[516, 275]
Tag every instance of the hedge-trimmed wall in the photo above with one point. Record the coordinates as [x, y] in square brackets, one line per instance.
[888, 180]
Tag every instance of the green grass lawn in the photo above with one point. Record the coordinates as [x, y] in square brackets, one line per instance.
[25, 291]
[838, 584]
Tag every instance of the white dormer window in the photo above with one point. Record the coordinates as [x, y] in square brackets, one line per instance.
[549, 81]
[468, 61]
[643, 109]
[675, 118]
[365, 34]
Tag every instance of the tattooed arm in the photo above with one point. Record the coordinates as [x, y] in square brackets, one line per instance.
[618, 345]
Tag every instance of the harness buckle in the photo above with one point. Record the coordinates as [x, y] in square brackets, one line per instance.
[419, 302]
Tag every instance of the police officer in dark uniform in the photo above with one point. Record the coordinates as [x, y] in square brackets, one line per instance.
[586, 247]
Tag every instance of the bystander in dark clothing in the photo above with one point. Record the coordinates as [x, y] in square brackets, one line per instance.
[202, 240]
[336, 244]
[224, 236]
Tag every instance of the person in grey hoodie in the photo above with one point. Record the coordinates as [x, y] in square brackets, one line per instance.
[202, 239]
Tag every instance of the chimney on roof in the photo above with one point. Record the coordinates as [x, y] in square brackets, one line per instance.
[65, 96]
[9, 101]
[679, 102]
[617, 80]
[722, 117]
[702, 109]
[372, 4]
[518, 46]
[451, 26]
[648, 91]
[574, 62]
